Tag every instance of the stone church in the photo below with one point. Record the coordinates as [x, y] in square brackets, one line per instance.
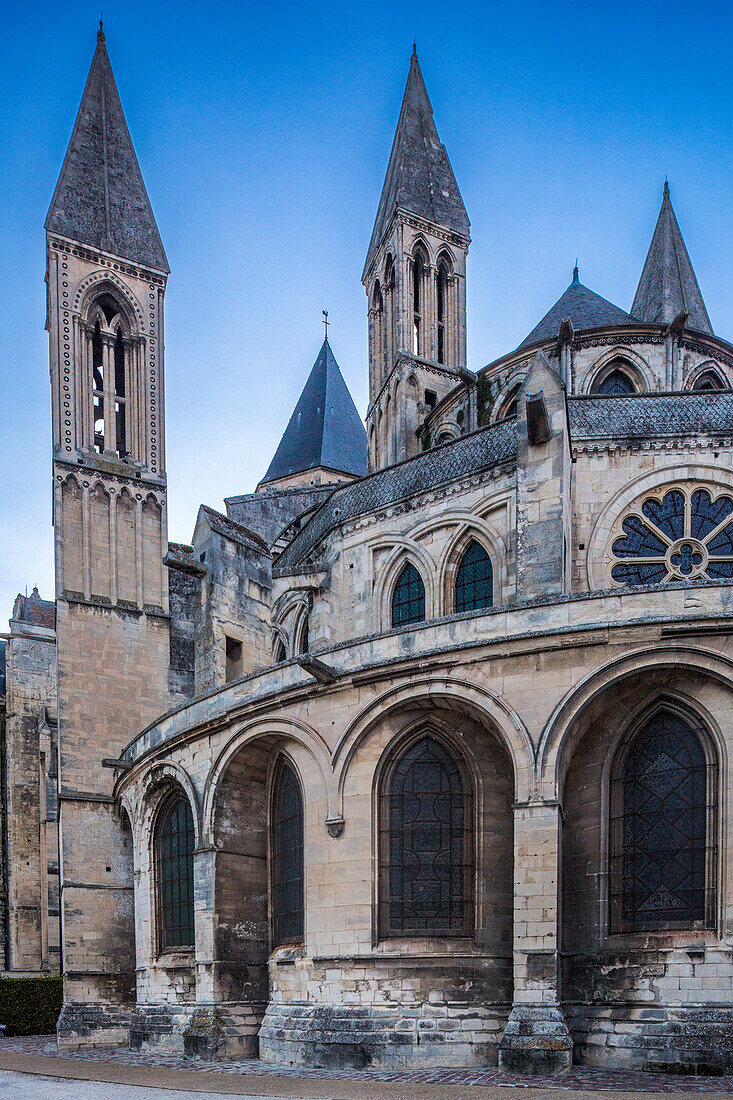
[418, 754]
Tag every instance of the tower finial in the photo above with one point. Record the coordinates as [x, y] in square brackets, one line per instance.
[414, 47]
[666, 188]
[326, 322]
[576, 278]
[100, 32]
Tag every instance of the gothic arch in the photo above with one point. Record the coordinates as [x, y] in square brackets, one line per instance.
[655, 479]
[509, 390]
[441, 693]
[278, 731]
[404, 550]
[561, 732]
[708, 367]
[467, 533]
[155, 784]
[96, 284]
[634, 365]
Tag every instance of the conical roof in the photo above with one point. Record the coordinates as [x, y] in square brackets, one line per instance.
[325, 429]
[419, 176]
[583, 307]
[100, 198]
[668, 285]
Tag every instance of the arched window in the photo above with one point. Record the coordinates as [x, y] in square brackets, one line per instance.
[425, 850]
[442, 304]
[418, 273]
[474, 579]
[174, 844]
[508, 410]
[280, 653]
[287, 856]
[616, 382]
[98, 388]
[708, 382]
[659, 828]
[408, 598]
[109, 383]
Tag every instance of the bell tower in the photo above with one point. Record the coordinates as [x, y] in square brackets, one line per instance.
[415, 280]
[106, 278]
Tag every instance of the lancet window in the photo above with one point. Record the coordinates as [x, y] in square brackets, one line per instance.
[109, 349]
[474, 579]
[174, 845]
[662, 864]
[425, 844]
[287, 855]
[408, 597]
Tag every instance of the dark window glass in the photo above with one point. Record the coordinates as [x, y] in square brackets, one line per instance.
[427, 873]
[119, 365]
[175, 844]
[708, 382]
[280, 653]
[408, 598]
[659, 826]
[287, 856]
[676, 538]
[474, 580]
[616, 384]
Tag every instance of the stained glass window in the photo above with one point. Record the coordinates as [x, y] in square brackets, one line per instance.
[408, 598]
[426, 874]
[287, 856]
[616, 384]
[474, 579]
[659, 828]
[679, 536]
[174, 849]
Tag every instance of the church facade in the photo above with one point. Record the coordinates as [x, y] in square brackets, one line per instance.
[418, 754]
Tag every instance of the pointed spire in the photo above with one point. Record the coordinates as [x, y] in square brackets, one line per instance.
[419, 176]
[100, 198]
[668, 285]
[325, 430]
[576, 275]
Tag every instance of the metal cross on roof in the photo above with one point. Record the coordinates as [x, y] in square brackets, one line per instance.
[326, 321]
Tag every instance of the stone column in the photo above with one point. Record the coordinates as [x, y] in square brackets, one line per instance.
[536, 1038]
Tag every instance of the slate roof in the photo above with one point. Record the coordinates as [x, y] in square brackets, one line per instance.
[32, 609]
[583, 307]
[419, 175]
[651, 416]
[668, 285]
[100, 198]
[325, 429]
[476, 452]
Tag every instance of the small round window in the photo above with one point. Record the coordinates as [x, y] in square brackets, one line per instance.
[681, 535]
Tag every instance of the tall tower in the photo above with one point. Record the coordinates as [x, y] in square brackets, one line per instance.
[415, 279]
[106, 277]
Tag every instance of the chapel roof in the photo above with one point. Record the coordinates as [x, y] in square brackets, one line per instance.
[100, 198]
[419, 176]
[325, 429]
[583, 307]
[668, 285]
[651, 415]
[32, 609]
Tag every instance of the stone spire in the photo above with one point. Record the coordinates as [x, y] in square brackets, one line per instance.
[325, 432]
[100, 198]
[583, 307]
[419, 176]
[668, 285]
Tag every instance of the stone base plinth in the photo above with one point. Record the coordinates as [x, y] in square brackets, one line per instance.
[208, 1032]
[671, 1039]
[381, 1035]
[536, 1040]
[93, 1024]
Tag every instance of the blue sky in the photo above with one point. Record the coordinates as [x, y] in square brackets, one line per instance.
[263, 133]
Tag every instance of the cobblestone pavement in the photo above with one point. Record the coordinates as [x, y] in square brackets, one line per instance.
[580, 1078]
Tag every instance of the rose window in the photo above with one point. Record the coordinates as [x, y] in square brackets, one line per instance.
[680, 536]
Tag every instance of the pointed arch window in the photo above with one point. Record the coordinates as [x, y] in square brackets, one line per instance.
[108, 354]
[418, 275]
[408, 597]
[287, 856]
[708, 382]
[661, 837]
[174, 845]
[616, 382]
[474, 579]
[442, 309]
[426, 866]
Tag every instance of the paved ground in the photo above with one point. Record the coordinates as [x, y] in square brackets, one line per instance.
[125, 1075]
[29, 1086]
